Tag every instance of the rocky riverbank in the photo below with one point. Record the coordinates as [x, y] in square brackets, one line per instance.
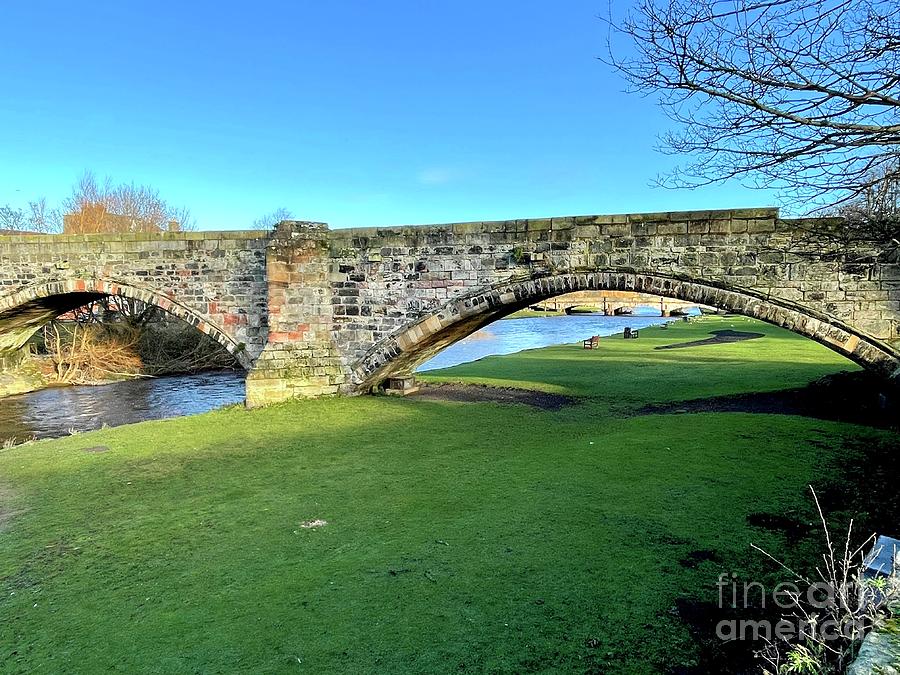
[20, 374]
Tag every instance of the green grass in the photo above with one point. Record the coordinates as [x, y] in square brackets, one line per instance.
[529, 313]
[532, 314]
[626, 373]
[461, 537]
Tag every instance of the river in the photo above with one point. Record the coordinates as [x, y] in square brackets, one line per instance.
[61, 410]
[515, 335]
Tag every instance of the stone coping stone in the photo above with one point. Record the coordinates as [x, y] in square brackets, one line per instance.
[482, 226]
[132, 236]
[473, 227]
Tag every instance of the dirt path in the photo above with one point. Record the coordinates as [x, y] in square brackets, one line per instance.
[472, 393]
[719, 337]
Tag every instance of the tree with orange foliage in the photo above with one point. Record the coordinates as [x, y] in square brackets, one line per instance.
[108, 208]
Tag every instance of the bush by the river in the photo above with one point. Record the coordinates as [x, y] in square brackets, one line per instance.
[76, 353]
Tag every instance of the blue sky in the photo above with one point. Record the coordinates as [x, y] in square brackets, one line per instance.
[352, 113]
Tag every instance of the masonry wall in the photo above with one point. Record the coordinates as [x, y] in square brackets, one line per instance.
[19, 374]
[219, 276]
[384, 278]
[300, 359]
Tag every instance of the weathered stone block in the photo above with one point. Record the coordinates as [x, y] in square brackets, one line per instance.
[760, 226]
[698, 227]
[616, 229]
[671, 228]
[643, 228]
[587, 231]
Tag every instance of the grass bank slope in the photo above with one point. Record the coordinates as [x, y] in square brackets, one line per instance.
[460, 537]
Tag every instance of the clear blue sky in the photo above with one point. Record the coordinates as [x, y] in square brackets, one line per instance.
[353, 112]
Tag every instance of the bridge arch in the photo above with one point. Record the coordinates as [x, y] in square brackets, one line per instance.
[401, 352]
[34, 305]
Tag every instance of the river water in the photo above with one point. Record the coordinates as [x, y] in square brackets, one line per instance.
[515, 335]
[59, 411]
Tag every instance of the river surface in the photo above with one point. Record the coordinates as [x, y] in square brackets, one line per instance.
[59, 411]
[515, 335]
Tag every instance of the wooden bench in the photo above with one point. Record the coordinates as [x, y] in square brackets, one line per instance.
[592, 342]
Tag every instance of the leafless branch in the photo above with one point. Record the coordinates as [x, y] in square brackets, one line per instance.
[798, 95]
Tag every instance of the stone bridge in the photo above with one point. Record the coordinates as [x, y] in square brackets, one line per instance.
[613, 302]
[311, 311]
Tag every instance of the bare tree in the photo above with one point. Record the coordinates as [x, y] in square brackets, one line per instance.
[106, 207]
[798, 95]
[43, 218]
[270, 220]
[95, 207]
[118, 309]
[36, 218]
[12, 219]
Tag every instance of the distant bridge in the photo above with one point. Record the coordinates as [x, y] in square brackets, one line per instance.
[309, 311]
[615, 302]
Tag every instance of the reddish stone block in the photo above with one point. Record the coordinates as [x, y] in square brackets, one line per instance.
[234, 319]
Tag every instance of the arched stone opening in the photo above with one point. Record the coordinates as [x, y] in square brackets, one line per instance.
[400, 353]
[23, 313]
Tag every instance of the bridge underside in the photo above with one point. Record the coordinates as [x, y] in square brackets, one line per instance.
[17, 325]
[27, 312]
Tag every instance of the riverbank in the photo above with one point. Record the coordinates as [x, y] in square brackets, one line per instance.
[510, 337]
[404, 535]
[19, 374]
[529, 313]
[532, 314]
[29, 373]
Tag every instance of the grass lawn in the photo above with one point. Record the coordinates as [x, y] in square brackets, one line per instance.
[461, 537]
[528, 313]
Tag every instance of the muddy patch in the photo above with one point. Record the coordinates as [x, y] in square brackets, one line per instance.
[734, 657]
[857, 398]
[477, 393]
[719, 337]
[790, 526]
[694, 558]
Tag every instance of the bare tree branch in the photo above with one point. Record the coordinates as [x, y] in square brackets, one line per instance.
[270, 220]
[798, 95]
[37, 218]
